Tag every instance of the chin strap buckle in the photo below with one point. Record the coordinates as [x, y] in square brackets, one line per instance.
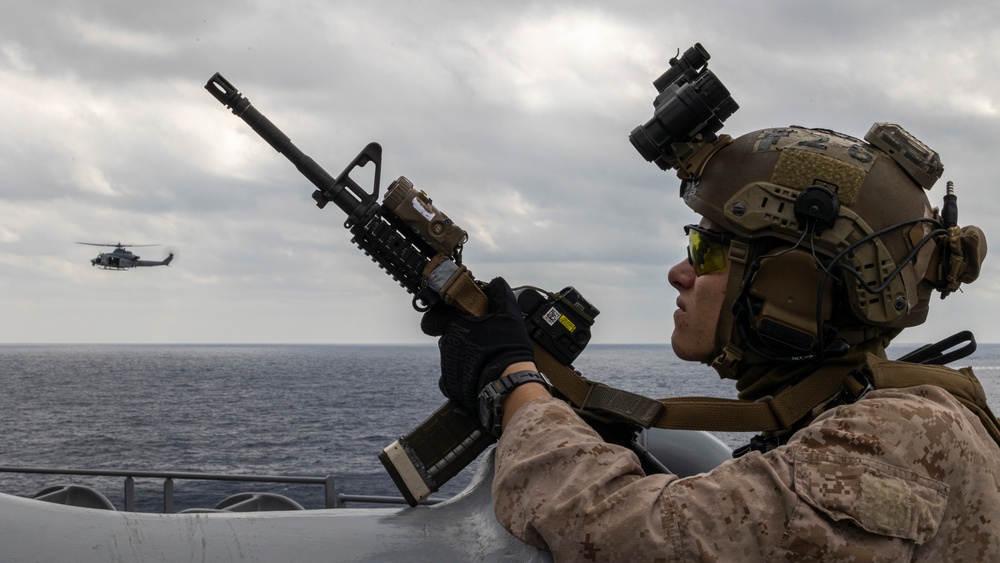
[856, 386]
[759, 443]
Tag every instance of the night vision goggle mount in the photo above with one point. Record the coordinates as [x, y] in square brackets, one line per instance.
[690, 108]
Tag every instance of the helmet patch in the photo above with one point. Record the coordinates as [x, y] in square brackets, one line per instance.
[800, 169]
[818, 157]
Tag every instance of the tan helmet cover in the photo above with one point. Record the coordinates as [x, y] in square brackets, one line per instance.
[749, 187]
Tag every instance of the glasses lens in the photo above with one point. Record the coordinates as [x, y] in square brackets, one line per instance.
[706, 250]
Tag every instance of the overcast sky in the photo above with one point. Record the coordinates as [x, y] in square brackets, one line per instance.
[513, 116]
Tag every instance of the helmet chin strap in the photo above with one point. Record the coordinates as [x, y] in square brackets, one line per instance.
[727, 362]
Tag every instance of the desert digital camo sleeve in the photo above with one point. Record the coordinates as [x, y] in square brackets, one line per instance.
[904, 474]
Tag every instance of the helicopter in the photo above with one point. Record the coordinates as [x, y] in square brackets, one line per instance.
[122, 259]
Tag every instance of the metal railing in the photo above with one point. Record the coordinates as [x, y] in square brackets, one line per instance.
[330, 498]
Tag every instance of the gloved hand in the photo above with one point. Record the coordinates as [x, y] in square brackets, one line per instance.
[476, 350]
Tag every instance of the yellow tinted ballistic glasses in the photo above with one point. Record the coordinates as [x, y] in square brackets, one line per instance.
[706, 249]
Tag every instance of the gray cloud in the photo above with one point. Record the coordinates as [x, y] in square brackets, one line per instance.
[514, 117]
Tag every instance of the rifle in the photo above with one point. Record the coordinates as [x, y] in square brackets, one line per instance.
[421, 248]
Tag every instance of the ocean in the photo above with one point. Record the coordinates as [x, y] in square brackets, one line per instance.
[311, 410]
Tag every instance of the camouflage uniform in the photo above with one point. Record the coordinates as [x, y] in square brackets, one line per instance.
[901, 475]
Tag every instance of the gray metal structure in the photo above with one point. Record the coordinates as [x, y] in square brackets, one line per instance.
[73, 525]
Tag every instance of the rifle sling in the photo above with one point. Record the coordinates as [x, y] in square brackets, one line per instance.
[698, 413]
[459, 289]
[684, 413]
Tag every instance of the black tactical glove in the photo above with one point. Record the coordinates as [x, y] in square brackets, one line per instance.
[476, 350]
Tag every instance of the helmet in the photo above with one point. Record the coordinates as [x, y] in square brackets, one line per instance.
[834, 239]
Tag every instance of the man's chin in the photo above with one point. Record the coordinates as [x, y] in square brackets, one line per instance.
[684, 351]
[680, 350]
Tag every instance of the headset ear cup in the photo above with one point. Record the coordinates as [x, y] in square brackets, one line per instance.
[784, 292]
[816, 209]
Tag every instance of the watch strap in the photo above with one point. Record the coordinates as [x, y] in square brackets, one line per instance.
[490, 398]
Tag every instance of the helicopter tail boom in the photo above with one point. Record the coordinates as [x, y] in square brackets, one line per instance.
[165, 262]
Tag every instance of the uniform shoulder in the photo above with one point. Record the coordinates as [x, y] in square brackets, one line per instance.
[922, 426]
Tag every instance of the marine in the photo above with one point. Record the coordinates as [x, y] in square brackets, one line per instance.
[813, 250]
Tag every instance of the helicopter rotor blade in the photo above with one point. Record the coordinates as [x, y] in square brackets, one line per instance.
[118, 245]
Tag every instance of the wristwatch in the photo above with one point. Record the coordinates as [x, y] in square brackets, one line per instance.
[491, 397]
